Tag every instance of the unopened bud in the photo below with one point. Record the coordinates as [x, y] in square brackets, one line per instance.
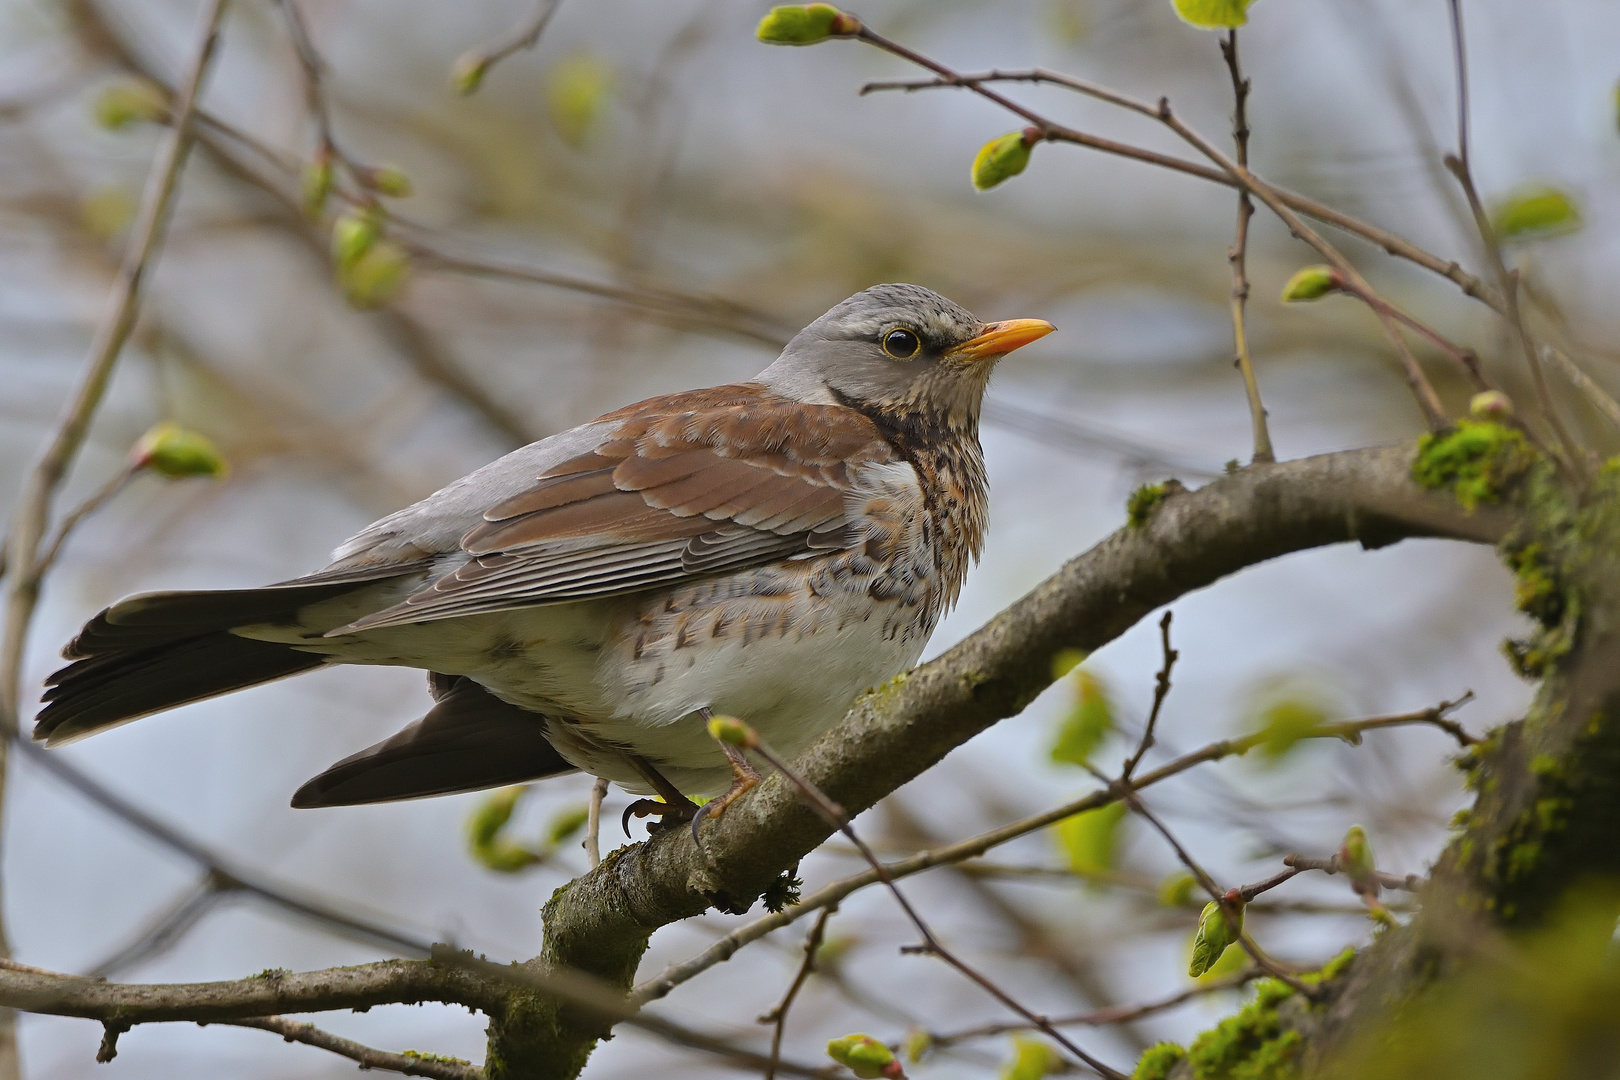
[732, 732]
[1356, 860]
[805, 24]
[918, 1043]
[173, 451]
[317, 185]
[353, 234]
[1214, 14]
[1490, 405]
[1215, 935]
[865, 1057]
[375, 277]
[1310, 283]
[1177, 889]
[131, 101]
[1003, 158]
[385, 180]
[468, 73]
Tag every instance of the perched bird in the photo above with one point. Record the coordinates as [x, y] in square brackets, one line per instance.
[766, 550]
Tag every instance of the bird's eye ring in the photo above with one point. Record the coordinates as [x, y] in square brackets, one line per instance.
[902, 344]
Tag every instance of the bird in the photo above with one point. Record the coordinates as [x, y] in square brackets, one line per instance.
[766, 550]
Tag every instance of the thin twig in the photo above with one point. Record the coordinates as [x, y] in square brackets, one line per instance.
[834, 815]
[1507, 281]
[726, 947]
[593, 822]
[316, 909]
[475, 64]
[1237, 255]
[1161, 690]
[1333, 865]
[409, 1063]
[1584, 383]
[1217, 894]
[1117, 1014]
[778, 1016]
[95, 502]
[1392, 243]
[31, 516]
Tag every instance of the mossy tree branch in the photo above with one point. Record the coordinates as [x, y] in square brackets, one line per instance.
[599, 924]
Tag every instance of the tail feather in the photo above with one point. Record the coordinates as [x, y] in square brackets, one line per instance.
[468, 741]
[103, 691]
[157, 650]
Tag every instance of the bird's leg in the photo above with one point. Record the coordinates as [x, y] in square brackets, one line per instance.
[674, 808]
[744, 778]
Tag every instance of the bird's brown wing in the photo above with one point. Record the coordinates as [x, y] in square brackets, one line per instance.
[686, 485]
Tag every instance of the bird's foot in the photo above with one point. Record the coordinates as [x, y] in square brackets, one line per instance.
[668, 814]
[744, 779]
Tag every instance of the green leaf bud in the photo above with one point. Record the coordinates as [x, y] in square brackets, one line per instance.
[385, 180]
[468, 73]
[1214, 934]
[1490, 405]
[1003, 158]
[131, 101]
[1310, 283]
[1356, 860]
[732, 732]
[577, 89]
[173, 451]
[805, 24]
[566, 823]
[1214, 14]
[353, 234]
[1177, 889]
[1534, 212]
[317, 186]
[1032, 1060]
[917, 1044]
[865, 1057]
[376, 276]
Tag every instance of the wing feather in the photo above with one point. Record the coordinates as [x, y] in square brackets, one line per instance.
[687, 485]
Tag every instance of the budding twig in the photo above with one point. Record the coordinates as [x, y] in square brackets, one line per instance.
[739, 734]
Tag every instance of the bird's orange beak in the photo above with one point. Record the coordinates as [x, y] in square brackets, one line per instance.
[1001, 338]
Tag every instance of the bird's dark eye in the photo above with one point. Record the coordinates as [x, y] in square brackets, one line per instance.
[901, 344]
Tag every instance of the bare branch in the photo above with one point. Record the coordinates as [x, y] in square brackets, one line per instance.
[1237, 254]
[410, 1063]
[1161, 690]
[1391, 243]
[833, 893]
[778, 1016]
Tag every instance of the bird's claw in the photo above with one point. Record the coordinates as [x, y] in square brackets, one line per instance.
[668, 814]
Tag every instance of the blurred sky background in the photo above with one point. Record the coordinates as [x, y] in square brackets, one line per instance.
[708, 163]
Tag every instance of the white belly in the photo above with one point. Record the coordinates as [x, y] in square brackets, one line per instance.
[635, 671]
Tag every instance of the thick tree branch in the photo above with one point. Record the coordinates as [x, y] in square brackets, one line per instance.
[600, 922]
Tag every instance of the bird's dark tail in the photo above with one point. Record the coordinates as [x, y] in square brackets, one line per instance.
[159, 650]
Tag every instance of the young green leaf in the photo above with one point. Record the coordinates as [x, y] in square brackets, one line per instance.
[377, 276]
[566, 823]
[577, 89]
[1535, 212]
[1032, 1060]
[805, 24]
[1286, 721]
[1003, 158]
[1213, 14]
[484, 829]
[1177, 889]
[1215, 934]
[1088, 839]
[1088, 722]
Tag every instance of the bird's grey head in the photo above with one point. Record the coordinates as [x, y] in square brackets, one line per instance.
[898, 348]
